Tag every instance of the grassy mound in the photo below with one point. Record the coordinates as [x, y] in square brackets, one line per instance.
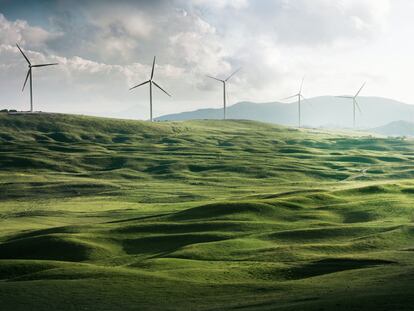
[53, 247]
[230, 210]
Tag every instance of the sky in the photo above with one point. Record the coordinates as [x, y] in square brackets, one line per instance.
[105, 47]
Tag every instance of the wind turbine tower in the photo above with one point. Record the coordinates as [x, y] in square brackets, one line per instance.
[300, 97]
[151, 82]
[30, 74]
[224, 90]
[354, 103]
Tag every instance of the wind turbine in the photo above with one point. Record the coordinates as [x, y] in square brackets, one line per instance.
[151, 82]
[354, 101]
[300, 97]
[224, 90]
[29, 74]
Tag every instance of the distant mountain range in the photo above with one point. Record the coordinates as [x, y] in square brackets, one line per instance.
[324, 111]
[396, 128]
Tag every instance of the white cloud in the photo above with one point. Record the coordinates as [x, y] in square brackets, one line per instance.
[20, 31]
[220, 4]
[200, 51]
[313, 22]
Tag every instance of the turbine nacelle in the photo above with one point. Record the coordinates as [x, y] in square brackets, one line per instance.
[225, 80]
[356, 95]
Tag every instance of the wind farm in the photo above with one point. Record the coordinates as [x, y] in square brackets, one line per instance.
[221, 197]
[151, 83]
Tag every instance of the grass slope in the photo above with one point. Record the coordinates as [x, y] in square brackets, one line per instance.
[101, 214]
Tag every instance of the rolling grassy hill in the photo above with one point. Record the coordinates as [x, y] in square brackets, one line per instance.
[105, 214]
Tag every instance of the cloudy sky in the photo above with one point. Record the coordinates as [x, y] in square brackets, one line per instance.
[105, 47]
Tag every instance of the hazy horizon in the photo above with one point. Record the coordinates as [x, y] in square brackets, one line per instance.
[106, 47]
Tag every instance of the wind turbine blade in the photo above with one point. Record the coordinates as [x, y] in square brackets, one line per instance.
[349, 97]
[23, 54]
[161, 88]
[233, 74]
[306, 100]
[139, 84]
[25, 81]
[359, 108]
[44, 65]
[296, 95]
[153, 66]
[360, 89]
[301, 85]
[215, 78]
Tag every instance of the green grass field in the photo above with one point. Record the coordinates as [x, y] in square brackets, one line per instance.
[103, 214]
